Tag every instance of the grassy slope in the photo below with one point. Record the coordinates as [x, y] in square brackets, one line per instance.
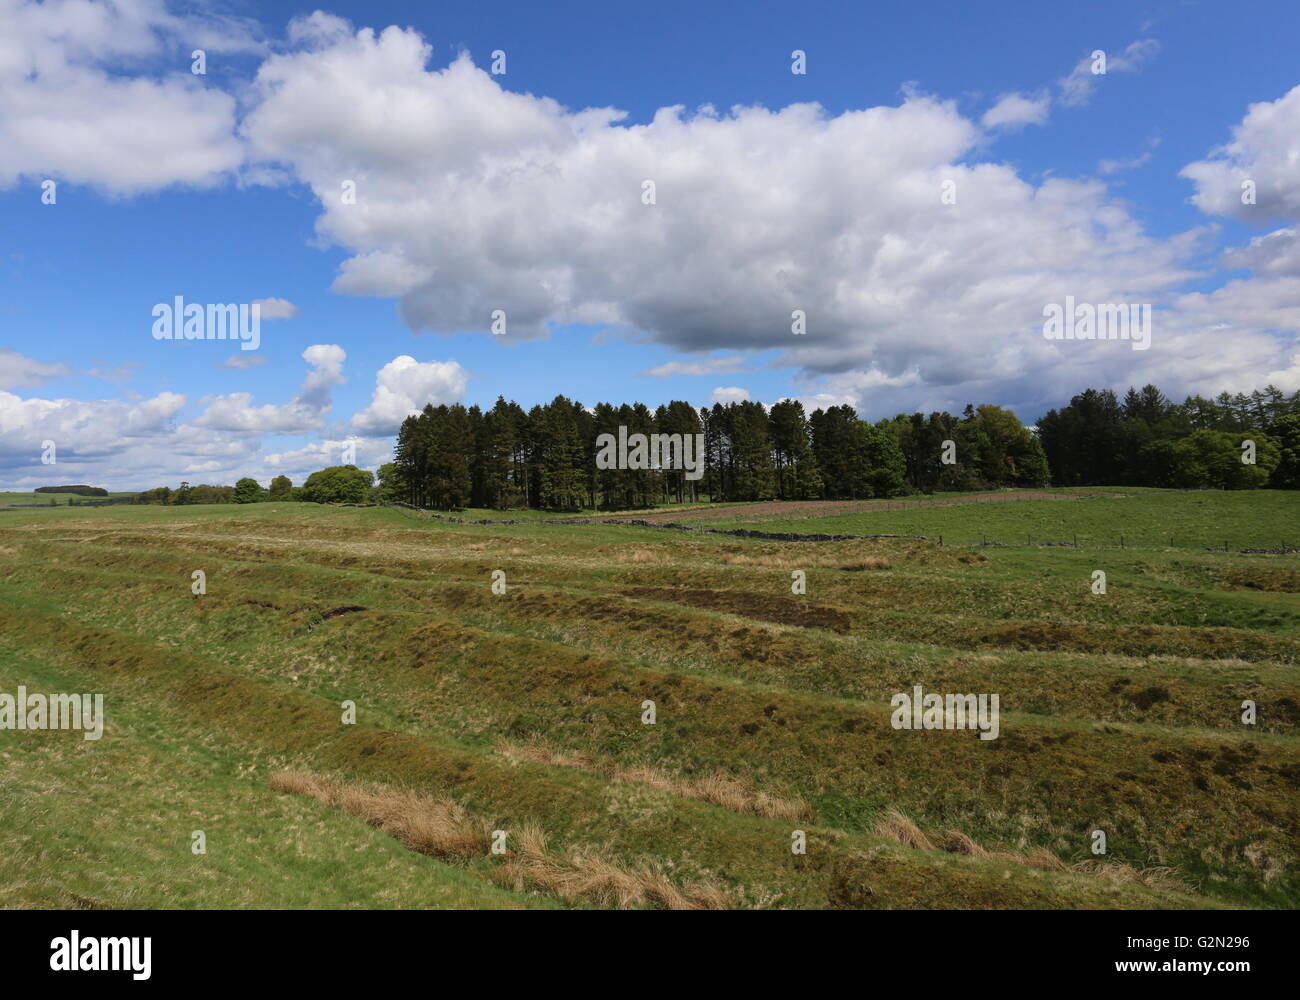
[1119, 712]
[108, 824]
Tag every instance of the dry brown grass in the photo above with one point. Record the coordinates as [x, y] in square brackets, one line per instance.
[538, 751]
[584, 875]
[871, 562]
[721, 791]
[899, 828]
[956, 842]
[439, 828]
[831, 556]
[777, 559]
[443, 829]
[296, 782]
[772, 561]
[1160, 877]
[718, 790]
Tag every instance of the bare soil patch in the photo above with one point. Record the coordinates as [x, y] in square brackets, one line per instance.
[760, 606]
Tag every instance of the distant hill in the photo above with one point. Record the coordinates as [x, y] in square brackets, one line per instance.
[84, 491]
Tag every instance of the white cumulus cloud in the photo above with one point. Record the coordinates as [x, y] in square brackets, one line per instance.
[471, 198]
[729, 394]
[1264, 151]
[405, 386]
[306, 411]
[68, 112]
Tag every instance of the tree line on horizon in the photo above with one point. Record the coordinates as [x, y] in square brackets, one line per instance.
[81, 491]
[448, 457]
[324, 486]
[452, 456]
[1148, 440]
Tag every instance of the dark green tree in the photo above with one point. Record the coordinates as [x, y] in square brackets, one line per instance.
[338, 484]
[247, 490]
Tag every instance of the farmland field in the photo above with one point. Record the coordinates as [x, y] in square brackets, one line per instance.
[1133, 516]
[518, 718]
[30, 499]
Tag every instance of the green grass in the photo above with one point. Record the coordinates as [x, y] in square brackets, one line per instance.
[1142, 518]
[1120, 712]
[490, 514]
[52, 499]
[64, 802]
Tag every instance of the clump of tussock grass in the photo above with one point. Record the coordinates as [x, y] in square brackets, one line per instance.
[721, 791]
[895, 826]
[781, 559]
[778, 561]
[296, 782]
[439, 828]
[584, 875]
[872, 562]
[1162, 877]
[956, 842]
[538, 751]
[444, 829]
[718, 790]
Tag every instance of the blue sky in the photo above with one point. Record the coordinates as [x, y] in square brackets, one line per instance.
[480, 189]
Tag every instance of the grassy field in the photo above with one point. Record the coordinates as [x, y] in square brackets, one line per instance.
[1137, 517]
[517, 718]
[51, 499]
[489, 514]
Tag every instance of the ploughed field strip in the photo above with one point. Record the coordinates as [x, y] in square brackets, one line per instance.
[522, 712]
